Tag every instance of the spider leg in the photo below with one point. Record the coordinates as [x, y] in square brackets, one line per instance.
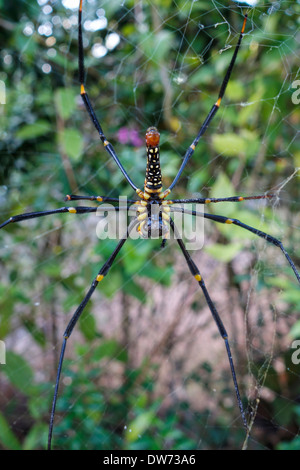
[219, 199]
[70, 210]
[225, 220]
[107, 145]
[211, 113]
[101, 274]
[196, 273]
[163, 243]
[72, 197]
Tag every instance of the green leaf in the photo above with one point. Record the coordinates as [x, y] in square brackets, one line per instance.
[65, 102]
[292, 296]
[222, 188]
[110, 348]
[7, 437]
[236, 145]
[162, 275]
[139, 425]
[87, 324]
[135, 290]
[37, 333]
[224, 253]
[32, 131]
[229, 145]
[112, 284]
[156, 47]
[283, 410]
[163, 43]
[197, 180]
[204, 76]
[51, 268]
[36, 437]
[72, 143]
[290, 445]
[295, 330]
[235, 91]
[136, 256]
[18, 372]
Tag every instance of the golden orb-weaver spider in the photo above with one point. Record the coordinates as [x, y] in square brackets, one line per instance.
[153, 196]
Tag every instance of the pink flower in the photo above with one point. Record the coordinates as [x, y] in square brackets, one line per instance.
[135, 138]
[129, 136]
[123, 135]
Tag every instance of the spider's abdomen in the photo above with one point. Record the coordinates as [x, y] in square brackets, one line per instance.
[153, 180]
[153, 172]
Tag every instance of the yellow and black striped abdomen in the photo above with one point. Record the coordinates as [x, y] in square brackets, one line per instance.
[153, 181]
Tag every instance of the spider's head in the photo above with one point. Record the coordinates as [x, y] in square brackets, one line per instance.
[152, 137]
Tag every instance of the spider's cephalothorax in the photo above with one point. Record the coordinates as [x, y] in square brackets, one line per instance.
[154, 217]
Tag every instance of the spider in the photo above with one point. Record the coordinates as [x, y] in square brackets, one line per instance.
[153, 215]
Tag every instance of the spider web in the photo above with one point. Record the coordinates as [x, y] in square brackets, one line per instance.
[145, 367]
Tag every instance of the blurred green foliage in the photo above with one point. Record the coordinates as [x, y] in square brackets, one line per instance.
[49, 148]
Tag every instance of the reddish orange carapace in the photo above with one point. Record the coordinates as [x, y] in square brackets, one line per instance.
[152, 137]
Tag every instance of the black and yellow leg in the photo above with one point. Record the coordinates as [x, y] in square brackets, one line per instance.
[107, 145]
[196, 273]
[101, 274]
[33, 215]
[219, 199]
[269, 238]
[225, 220]
[140, 227]
[61, 210]
[213, 110]
[164, 240]
[73, 197]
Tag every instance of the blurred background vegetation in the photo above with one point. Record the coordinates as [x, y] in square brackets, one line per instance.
[145, 368]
